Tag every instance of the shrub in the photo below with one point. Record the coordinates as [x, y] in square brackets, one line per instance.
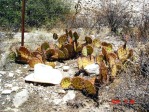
[10, 13]
[115, 15]
[38, 13]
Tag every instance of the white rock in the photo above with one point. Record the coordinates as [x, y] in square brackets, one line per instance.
[93, 36]
[15, 88]
[105, 107]
[92, 69]
[8, 109]
[69, 96]
[2, 72]
[11, 74]
[61, 91]
[6, 92]
[20, 98]
[66, 68]
[45, 74]
[57, 101]
[8, 85]
[4, 58]
[18, 71]
[26, 66]
[41, 68]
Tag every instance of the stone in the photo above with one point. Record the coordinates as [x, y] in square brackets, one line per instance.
[8, 109]
[18, 71]
[45, 74]
[4, 58]
[61, 91]
[69, 96]
[26, 66]
[20, 98]
[8, 85]
[2, 72]
[11, 74]
[66, 68]
[6, 92]
[57, 101]
[105, 107]
[14, 88]
[72, 72]
[41, 68]
[92, 69]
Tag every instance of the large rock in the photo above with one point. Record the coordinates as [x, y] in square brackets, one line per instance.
[20, 98]
[45, 74]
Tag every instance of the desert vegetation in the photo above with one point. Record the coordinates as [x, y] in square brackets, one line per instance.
[68, 47]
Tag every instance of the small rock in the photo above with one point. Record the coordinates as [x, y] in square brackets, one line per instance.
[61, 91]
[6, 92]
[1, 88]
[11, 74]
[4, 58]
[8, 109]
[18, 71]
[107, 87]
[20, 98]
[65, 74]
[107, 37]
[72, 72]
[66, 68]
[92, 69]
[15, 88]
[57, 101]
[8, 85]
[26, 66]
[105, 107]
[2, 72]
[69, 96]
[46, 99]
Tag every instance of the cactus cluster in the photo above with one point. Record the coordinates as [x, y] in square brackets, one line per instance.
[79, 83]
[67, 47]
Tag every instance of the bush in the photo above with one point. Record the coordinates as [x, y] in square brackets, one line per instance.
[10, 13]
[38, 13]
[115, 15]
[96, 14]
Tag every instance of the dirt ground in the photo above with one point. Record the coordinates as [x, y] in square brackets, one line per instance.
[129, 84]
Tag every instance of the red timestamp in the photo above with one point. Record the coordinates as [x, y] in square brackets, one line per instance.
[126, 101]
